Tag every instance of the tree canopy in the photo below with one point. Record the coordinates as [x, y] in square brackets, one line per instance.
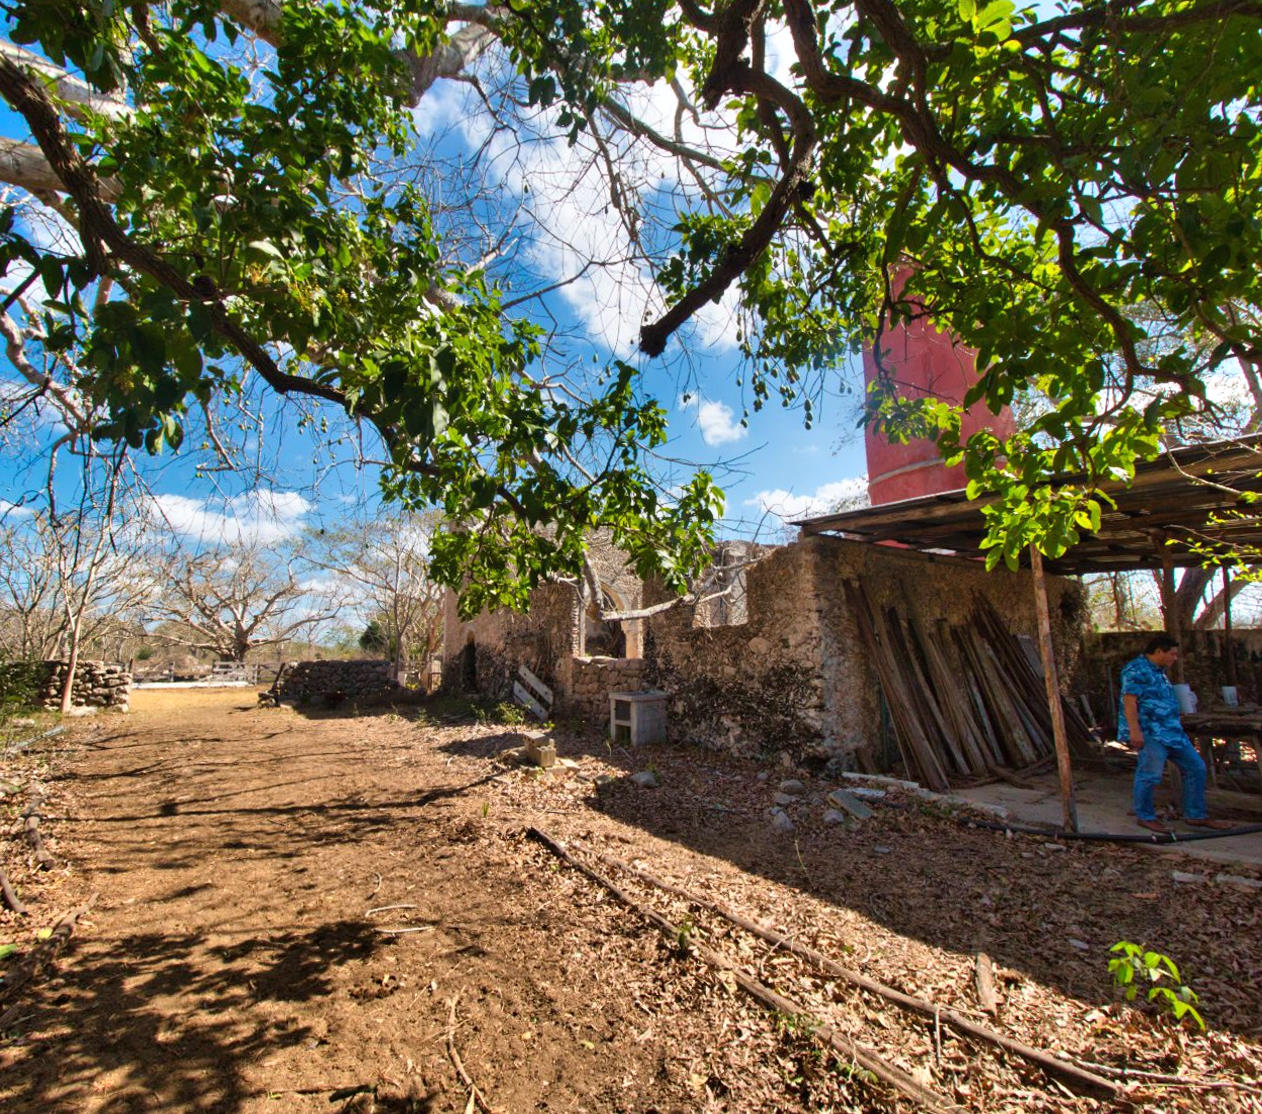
[1073, 193]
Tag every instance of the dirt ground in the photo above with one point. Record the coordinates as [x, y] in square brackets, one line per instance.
[342, 911]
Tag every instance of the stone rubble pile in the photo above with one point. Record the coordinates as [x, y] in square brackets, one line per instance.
[97, 684]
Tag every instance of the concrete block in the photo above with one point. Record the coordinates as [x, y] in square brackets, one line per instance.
[542, 752]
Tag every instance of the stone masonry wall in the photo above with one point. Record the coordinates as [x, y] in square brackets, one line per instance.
[317, 682]
[483, 654]
[795, 677]
[784, 672]
[97, 684]
[593, 679]
[543, 639]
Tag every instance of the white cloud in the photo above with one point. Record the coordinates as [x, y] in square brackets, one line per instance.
[445, 104]
[718, 422]
[573, 222]
[253, 518]
[844, 494]
[13, 510]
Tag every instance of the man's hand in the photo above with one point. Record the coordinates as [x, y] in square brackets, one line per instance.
[1137, 740]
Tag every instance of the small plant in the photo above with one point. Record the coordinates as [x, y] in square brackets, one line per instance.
[504, 712]
[796, 1025]
[1135, 966]
[683, 934]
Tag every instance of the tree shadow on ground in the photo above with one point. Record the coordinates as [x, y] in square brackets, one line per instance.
[1039, 908]
[94, 1027]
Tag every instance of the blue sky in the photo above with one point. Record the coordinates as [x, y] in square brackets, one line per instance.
[772, 464]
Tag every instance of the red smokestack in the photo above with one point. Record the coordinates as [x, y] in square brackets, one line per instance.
[923, 361]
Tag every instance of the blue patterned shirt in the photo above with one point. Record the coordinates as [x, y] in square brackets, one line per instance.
[1158, 703]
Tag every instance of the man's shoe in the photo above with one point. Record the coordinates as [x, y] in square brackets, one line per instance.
[1154, 826]
[1216, 825]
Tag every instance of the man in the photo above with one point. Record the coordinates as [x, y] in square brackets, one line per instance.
[1150, 722]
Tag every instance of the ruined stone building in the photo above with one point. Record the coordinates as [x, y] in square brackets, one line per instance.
[776, 666]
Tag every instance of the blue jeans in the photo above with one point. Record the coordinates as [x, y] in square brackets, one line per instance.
[1152, 764]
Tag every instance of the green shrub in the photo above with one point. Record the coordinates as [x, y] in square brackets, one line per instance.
[1135, 966]
[21, 686]
[503, 711]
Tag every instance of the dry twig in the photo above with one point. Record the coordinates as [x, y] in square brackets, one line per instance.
[11, 898]
[475, 1096]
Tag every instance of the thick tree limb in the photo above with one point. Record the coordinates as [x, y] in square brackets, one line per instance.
[30, 824]
[77, 95]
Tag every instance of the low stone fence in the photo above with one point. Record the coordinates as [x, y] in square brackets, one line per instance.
[97, 684]
[593, 679]
[331, 682]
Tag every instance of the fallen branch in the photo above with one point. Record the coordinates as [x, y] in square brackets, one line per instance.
[30, 822]
[1081, 1078]
[987, 999]
[843, 1046]
[13, 748]
[11, 898]
[475, 1096]
[1164, 1080]
[22, 974]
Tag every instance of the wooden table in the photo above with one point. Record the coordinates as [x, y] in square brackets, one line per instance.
[1227, 725]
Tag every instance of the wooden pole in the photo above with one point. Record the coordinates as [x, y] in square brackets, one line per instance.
[1228, 651]
[1069, 810]
[1170, 605]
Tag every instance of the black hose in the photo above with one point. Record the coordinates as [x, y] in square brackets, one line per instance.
[1109, 837]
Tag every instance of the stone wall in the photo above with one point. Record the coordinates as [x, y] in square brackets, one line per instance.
[591, 682]
[783, 669]
[97, 684]
[331, 682]
[795, 677]
[483, 654]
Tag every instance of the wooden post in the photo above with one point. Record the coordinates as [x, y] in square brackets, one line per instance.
[1069, 810]
[1170, 605]
[1229, 652]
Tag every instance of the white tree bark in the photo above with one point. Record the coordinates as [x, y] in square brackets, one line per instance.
[24, 166]
[77, 95]
[263, 17]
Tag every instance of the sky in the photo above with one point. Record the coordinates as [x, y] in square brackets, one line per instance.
[771, 467]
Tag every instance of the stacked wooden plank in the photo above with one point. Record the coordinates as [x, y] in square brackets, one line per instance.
[966, 702]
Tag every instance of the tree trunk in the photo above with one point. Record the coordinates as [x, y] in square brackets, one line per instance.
[72, 664]
[1209, 618]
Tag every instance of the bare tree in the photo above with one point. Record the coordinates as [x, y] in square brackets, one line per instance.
[29, 590]
[101, 566]
[385, 564]
[229, 603]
